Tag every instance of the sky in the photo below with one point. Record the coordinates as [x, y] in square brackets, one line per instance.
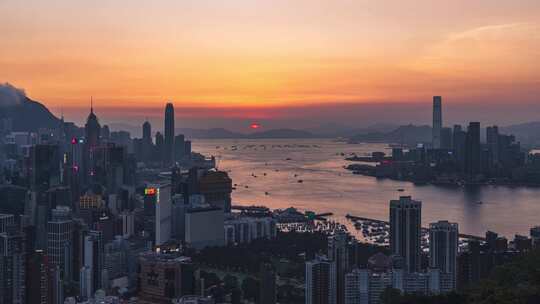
[284, 63]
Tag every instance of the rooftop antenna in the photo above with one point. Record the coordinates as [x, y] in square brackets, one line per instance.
[91, 104]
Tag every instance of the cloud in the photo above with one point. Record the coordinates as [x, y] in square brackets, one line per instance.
[10, 95]
[499, 51]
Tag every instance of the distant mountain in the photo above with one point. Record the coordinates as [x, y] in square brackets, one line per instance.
[29, 115]
[526, 133]
[281, 133]
[409, 135]
[338, 130]
[215, 133]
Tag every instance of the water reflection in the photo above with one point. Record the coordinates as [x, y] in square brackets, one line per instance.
[327, 187]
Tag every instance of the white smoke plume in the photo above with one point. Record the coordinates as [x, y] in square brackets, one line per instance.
[10, 95]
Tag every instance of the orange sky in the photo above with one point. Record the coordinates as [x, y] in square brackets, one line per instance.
[259, 54]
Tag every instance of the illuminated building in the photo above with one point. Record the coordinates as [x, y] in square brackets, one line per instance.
[158, 210]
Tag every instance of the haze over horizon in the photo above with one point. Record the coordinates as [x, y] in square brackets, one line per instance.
[283, 64]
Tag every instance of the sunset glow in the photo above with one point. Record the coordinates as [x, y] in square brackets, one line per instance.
[259, 55]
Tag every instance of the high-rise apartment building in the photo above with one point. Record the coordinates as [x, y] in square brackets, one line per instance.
[443, 248]
[320, 283]
[405, 231]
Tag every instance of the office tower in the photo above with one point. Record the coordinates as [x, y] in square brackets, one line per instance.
[338, 253]
[45, 167]
[267, 288]
[127, 221]
[59, 241]
[437, 122]
[92, 130]
[168, 150]
[204, 226]
[492, 140]
[216, 186]
[56, 285]
[147, 132]
[357, 287]
[535, 236]
[158, 208]
[146, 142]
[12, 266]
[443, 249]
[6, 220]
[92, 270]
[187, 148]
[458, 146]
[37, 279]
[105, 133]
[179, 143]
[473, 151]
[405, 231]
[92, 140]
[446, 138]
[159, 146]
[164, 277]
[320, 285]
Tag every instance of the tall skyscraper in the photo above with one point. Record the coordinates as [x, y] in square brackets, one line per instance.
[92, 129]
[459, 138]
[38, 281]
[492, 139]
[146, 143]
[92, 270]
[405, 231]
[147, 132]
[168, 153]
[158, 207]
[59, 241]
[437, 122]
[338, 253]
[91, 143]
[473, 151]
[12, 266]
[443, 248]
[320, 285]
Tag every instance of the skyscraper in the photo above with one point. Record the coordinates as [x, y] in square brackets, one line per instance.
[91, 272]
[59, 241]
[339, 255]
[146, 142]
[459, 138]
[147, 132]
[405, 231]
[92, 129]
[320, 286]
[443, 248]
[38, 281]
[12, 266]
[168, 151]
[158, 207]
[473, 151]
[437, 122]
[492, 139]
